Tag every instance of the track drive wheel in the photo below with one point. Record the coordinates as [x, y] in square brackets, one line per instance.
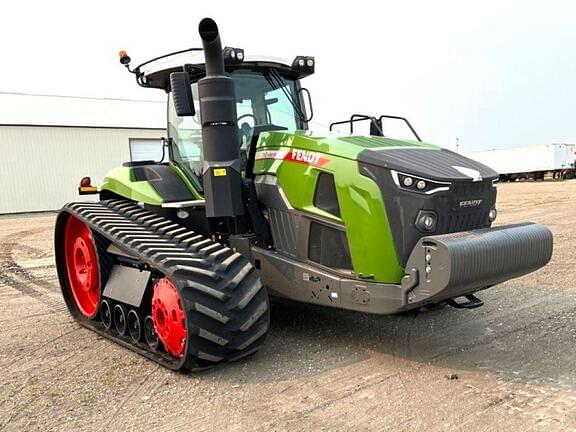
[168, 317]
[82, 267]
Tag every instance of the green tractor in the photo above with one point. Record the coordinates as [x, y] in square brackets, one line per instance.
[178, 259]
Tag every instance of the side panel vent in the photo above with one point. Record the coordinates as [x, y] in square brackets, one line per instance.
[283, 231]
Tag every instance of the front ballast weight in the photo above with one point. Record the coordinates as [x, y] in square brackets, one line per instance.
[453, 265]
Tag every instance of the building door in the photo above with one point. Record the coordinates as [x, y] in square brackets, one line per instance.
[146, 149]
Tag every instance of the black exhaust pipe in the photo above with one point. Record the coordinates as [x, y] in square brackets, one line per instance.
[220, 139]
[212, 47]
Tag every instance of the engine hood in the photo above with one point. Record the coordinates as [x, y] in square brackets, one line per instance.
[405, 156]
[439, 164]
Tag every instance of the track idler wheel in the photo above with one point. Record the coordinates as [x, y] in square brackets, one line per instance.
[134, 328]
[168, 317]
[82, 267]
[150, 334]
[106, 314]
[120, 319]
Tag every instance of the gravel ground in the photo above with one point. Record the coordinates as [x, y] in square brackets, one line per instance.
[509, 365]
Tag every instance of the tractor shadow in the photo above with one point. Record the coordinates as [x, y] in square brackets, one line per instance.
[523, 334]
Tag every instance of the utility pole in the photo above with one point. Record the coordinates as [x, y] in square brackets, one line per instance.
[457, 145]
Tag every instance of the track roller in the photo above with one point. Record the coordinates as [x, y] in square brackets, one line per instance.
[134, 328]
[106, 314]
[150, 334]
[120, 319]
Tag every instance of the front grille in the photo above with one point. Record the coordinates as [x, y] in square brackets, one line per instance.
[461, 222]
[471, 188]
[458, 219]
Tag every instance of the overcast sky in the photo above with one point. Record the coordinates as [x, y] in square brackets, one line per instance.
[491, 73]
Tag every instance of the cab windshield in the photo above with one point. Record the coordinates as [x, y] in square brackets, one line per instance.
[262, 98]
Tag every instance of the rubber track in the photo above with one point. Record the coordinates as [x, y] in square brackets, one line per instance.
[226, 304]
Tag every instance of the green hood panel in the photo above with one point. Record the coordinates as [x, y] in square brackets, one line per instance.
[335, 144]
[297, 159]
[152, 184]
[121, 182]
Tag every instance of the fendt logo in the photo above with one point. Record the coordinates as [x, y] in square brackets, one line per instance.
[470, 203]
[294, 155]
[306, 157]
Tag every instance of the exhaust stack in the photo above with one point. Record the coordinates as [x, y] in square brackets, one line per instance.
[220, 140]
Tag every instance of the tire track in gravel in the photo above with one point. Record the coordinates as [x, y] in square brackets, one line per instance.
[408, 358]
[403, 348]
[15, 276]
[24, 317]
[148, 384]
[17, 363]
[525, 327]
[11, 275]
[56, 371]
[402, 344]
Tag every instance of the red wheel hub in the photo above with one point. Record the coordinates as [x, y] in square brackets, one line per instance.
[169, 317]
[82, 266]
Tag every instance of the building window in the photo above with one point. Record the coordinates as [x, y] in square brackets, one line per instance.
[325, 197]
[329, 247]
[145, 149]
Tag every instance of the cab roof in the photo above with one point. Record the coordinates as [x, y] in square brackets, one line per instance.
[156, 72]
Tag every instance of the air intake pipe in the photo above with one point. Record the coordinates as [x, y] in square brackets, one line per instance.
[220, 140]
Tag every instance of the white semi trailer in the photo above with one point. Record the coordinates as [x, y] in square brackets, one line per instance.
[557, 160]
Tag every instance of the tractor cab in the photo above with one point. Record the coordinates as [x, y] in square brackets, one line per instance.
[269, 97]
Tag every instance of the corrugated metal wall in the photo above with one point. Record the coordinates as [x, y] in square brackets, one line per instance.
[41, 166]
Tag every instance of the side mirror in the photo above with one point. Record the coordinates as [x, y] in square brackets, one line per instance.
[307, 103]
[182, 94]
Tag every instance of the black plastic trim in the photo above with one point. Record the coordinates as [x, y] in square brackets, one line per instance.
[403, 206]
[164, 181]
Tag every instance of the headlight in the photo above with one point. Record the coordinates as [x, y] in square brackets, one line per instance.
[182, 214]
[492, 214]
[418, 184]
[233, 55]
[304, 63]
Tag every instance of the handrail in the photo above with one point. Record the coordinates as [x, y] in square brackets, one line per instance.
[375, 122]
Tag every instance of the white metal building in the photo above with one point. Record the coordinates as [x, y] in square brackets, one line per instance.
[48, 143]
